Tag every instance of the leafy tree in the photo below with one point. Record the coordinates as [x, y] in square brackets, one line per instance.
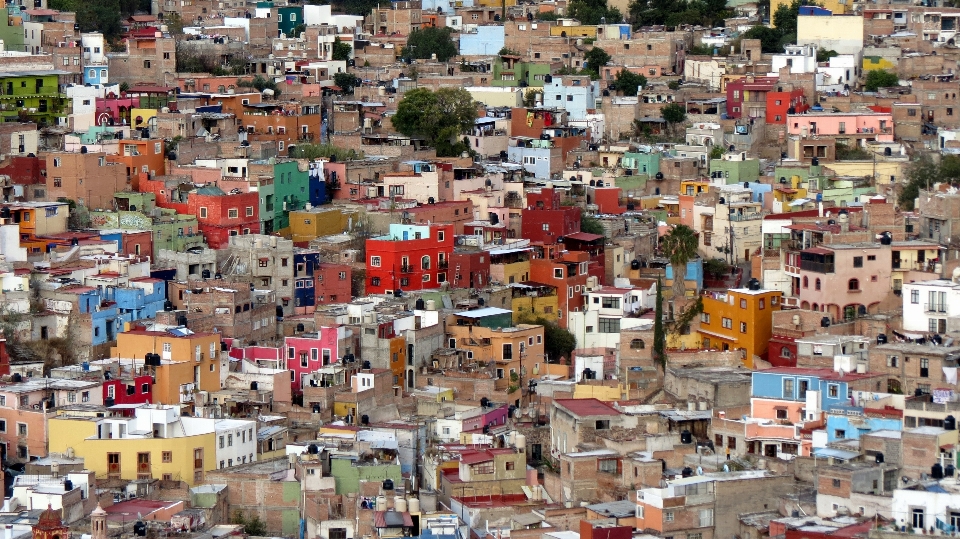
[674, 114]
[674, 85]
[548, 16]
[595, 58]
[100, 16]
[357, 7]
[260, 83]
[769, 38]
[593, 12]
[680, 246]
[824, 55]
[880, 78]
[438, 116]
[591, 225]
[716, 152]
[558, 343]
[341, 51]
[923, 173]
[428, 41]
[851, 153]
[346, 81]
[508, 52]
[252, 526]
[530, 97]
[317, 151]
[659, 334]
[677, 12]
[298, 30]
[785, 18]
[716, 267]
[628, 82]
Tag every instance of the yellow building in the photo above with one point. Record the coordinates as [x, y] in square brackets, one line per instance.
[189, 361]
[158, 443]
[739, 319]
[489, 336]
[881, 169]
[509, 266]
[306, 225]
[534, 300]
[579, 30]
[873, 63]
[601, 393]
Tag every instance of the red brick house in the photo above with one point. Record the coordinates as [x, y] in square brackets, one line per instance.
[544, 220]
[219, 214]
[409, 257]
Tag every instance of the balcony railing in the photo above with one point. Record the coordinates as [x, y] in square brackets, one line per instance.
[406, 269]
[443, 264]
[819, 267]
[745, 216]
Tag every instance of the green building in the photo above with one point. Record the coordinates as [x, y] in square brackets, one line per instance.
[347, 472]
[138, 211]
[735, 168]
[641, 163]
[508, 70]
[34, 95]
[291, 191]
[288, 17]
[12, 35]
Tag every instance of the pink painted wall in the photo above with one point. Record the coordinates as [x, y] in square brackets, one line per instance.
[829, 124]
[767, 409]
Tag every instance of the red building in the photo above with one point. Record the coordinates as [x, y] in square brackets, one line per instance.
[138, 390]
[4, 358]
[544, 220]
[469, 269]
[782, 350]
[779, 104]
[747, 97]
[219, 214]
[332, 283]
[607, 200]
[25, 170]
[409, 257]
[566, 270]
[593, 245]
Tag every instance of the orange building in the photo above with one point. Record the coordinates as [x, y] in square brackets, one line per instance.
[568, 271]
[189, 361]
[740, 319]
[284, 124]
[141, 156]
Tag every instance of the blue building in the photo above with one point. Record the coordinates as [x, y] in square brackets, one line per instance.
[694, 272]
[533, 155]
[576, 95]
[304, 276]
[317, 185]
[484, 41]
[103, 315]
[793, 384]
[96, 74]
[852, 422]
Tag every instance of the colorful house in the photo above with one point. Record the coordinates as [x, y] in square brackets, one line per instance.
[740, 319]
[409, 257]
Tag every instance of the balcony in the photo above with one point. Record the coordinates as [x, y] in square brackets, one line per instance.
[745, 216]
[443, 264]
[819, 267]
[406, 269]
[935, 308]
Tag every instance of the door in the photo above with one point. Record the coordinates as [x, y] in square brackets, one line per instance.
[198, 465]
[143, 465]
[113, 464]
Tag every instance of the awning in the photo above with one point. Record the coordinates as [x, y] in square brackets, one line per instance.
[799, 202]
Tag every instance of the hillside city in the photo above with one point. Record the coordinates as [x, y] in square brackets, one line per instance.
[479, 269]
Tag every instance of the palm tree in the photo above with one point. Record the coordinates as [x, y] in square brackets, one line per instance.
[680, 246]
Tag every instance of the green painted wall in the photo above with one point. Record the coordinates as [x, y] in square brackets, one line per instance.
[737, 171]
[292, 186]
[24, 93]
[348, 476]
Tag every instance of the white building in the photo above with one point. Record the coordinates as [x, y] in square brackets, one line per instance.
[921, 508]
[838, 73]
[932, 306]
[798, 58]
[236, 442]
[608, 312]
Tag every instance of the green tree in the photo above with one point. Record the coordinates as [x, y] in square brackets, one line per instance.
[356, 7]
[341, 51]
[593, 12]
[317, 151]
[923, 174]
[508, 52]
[558, 343]
[252, 526]
[628, 82]
[425, 42]
[680, 246]
[880, 78]
[298, 30]
[346, 81]
[595, 59]
[674, 114]
[591, 225]
[769, 38]
[548, 16]
[716, 267]
[439, 117]
[716, 152]
[530, 96]
[260, 83]
[659, 334]
[824, 55]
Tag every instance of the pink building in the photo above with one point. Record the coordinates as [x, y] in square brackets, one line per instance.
[310, 352]
[854, 124]
[844, 280]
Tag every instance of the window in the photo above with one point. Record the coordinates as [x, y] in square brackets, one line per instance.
[249, 211]
[743, 303]
[146, 64]
[836, 483]
[21, 429]
[858, 261]
[816, 284]
[508, 351]
[425, 262]
[788, 387]
[203, 213]
[785, 352]
[924, 367]
[705, 318]
[781, 413]
[840, 434]
[167, 456]
[706, 519]
[833, 390]
[233, 213]
[892, 361]
[637, 344]
[853, 285]
[221, 442]
[743, 327]
[726, 323]
[668, 516]
[375, 261]
[264, 262]
[918, 520]
[611, 303]
[609, 325]
[558, 273]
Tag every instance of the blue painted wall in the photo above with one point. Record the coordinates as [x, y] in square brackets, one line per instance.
[694, 272]
[854, 427]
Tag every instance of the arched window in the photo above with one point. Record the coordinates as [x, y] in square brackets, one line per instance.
[785, 352]
[637, 344]
[853, 284]
[425, 262]
[816, 307]
[806, 282]
[817, 284]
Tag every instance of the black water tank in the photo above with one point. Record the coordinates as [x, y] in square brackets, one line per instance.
[658, 175]
[254, 386]
[635, 264]
[279, 311]
[753, 284]
[83, 149]
[316, 408]
[686, 437]
[815, 162]
[879, 457]
[388, 484]
[420, 304]
[481, 302]
[205, 274]
[16, 378]
[825, 322]
[364, 419]
[886, 238]
[366, 365]
[300, 328]
[140, 529]
[687, 472]
[168, 305]
[887, 151]
[950, 470]
[108, 402]
[936, 471]
[881, 338]
[431, 200]
[218, 276]
[484, 402]
[950, 423]
[313, 449]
